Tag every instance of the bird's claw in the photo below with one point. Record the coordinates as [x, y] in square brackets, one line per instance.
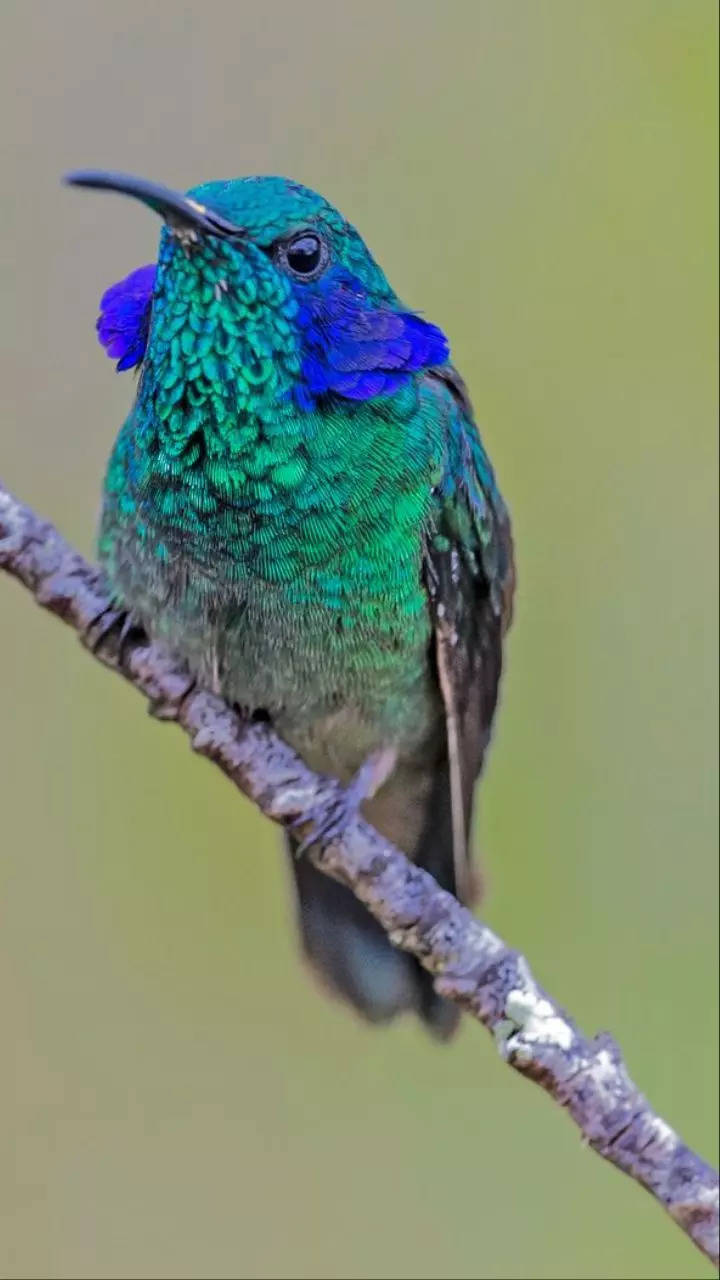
[108, 621]
[100, 627]
[328, 820]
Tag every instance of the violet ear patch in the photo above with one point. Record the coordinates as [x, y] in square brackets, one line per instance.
[124, 321]
[357, 350]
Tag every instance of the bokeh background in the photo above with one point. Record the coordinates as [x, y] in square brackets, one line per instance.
[178, 1099]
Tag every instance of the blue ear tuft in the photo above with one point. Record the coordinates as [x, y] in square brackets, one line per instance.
[124, 321]
[359, 350]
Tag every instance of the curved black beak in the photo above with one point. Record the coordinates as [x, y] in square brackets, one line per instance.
[178, 210]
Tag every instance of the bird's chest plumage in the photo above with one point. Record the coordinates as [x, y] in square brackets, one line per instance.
[291, 580]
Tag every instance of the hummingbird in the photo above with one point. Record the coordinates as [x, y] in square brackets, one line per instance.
[300, 506]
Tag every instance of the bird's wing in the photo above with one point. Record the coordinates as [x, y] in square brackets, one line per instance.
[469, 577]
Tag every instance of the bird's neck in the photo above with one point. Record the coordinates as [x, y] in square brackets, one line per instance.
[220, 361]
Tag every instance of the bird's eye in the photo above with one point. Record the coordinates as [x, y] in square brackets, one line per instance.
[305, 256]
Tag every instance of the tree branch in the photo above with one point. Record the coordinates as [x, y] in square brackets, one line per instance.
[471, 965]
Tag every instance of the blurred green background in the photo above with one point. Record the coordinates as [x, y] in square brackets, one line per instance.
[178, 1098]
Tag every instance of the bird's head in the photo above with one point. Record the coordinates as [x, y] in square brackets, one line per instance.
[261, 289]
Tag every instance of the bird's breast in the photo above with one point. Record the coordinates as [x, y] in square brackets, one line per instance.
[331, 645]
[289, 579]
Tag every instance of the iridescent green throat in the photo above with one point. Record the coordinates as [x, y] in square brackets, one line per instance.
[221, 358]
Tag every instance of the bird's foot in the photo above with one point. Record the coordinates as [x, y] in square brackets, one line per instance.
[110, 620]
[329, 820]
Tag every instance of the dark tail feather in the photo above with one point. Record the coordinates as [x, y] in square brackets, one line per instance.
[353, 955]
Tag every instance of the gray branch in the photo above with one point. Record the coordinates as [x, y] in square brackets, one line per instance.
[470, 964]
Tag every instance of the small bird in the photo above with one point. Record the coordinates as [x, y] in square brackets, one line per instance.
[300, 506]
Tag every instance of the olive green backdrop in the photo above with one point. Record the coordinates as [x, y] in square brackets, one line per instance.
[178, 1099]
